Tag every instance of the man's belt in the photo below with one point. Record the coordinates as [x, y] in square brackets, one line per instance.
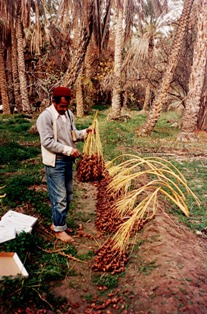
[63, 157]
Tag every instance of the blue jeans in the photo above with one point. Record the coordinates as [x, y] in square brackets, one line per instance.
[60, 188]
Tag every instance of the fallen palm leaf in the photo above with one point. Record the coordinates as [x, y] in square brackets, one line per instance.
[157, 167]
[59, 252]
[3, 195]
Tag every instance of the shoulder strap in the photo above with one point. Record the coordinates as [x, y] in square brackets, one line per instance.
[70, 119]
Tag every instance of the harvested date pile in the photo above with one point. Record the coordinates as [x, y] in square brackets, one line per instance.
[107, 218]
[92, 166]
[109, 259]
[112, 255]
[129, 197]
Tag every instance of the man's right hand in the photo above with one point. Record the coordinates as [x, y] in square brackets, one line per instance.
[75, 153]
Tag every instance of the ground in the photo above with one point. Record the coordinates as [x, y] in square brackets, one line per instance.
[167, 268]
[166, 273]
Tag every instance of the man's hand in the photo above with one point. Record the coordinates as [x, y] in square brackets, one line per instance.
[75, 153]
[89, 130]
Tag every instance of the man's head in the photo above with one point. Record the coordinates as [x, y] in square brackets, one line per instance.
[61, 98]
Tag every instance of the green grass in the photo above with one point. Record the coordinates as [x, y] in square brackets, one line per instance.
[109, 281]
[146, 268]
[21, 169]
[86, 256]
[42, 269]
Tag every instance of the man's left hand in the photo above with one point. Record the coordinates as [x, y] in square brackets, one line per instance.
[90, 129]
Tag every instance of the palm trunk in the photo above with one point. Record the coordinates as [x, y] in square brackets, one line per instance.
[15, 75]
[147, 99]
[9, 78]
[78, 83]
[21, 63]
[116, 93]
[79, 96]
[197, 78]
[90, 72]
[3, 84]
[160, 100]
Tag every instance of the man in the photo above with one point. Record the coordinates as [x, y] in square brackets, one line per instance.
[57, 131]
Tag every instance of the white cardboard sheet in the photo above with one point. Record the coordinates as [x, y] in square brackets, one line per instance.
[13, 223]
[7, 233]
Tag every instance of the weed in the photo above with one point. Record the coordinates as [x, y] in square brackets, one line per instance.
[71, 223]
[147, 268]
[88, 298]
[84, 217]
[86, 256]
[23, 244]
[72, 273]
[109, 281]
[17, 189]
[12, 152]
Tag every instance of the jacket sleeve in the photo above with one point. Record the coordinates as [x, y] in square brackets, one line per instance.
[46, 132]
[80, 134]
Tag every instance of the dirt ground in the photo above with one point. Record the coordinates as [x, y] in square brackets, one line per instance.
[166, 273]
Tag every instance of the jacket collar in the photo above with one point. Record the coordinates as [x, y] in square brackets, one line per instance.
[54, 112]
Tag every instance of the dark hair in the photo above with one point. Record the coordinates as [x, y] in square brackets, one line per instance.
[57, 99]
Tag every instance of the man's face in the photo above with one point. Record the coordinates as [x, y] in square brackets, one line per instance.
[62, 106]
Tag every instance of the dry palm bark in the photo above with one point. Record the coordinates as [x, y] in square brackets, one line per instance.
[9, 77]
[202, 116]
[3, 89]
[116, 93]
[15, 70]
[197, 78]
[157, 7]
[78, 83]
[147, 99]
[160, 99]
[79, 95]
[90, 71]
[21, 62]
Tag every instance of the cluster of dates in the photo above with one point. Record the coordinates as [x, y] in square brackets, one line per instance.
[107, 218]
[90, 168]
[109, 259]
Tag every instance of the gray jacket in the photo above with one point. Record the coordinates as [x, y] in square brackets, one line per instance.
[55, 134]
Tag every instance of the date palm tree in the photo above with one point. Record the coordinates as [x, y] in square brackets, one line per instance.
[152, 23]
[86, 18]
[16, 14]
[197, 78]
[161, 96]
[72, 72]
[124, 21]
